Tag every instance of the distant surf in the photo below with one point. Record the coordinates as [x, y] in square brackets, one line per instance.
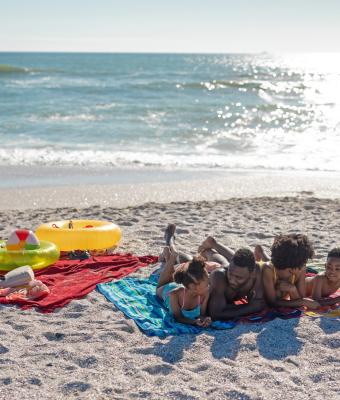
[170, 111]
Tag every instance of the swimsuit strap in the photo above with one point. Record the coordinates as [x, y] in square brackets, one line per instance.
[293, 278]
[274, 272]
[183, 301]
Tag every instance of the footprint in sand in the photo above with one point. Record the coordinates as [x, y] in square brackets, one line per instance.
[181, 395]
[236, 395]
[88, 362]
[75, 388]
[3, 349]
[73, 315]
[317, 378]
[18, 327]
[54, 336]
[35, 381]
[113, 336]
[201, 368]
[107, 391]
[159, 369]
[78, 337]
[78, 307]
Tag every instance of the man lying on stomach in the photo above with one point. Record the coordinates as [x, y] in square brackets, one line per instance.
[239, 277]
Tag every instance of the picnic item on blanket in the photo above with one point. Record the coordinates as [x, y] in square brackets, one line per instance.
[20, 284]
[74, 279]
[17, 277]
[30, 291]
[80, 234]
[23, 248]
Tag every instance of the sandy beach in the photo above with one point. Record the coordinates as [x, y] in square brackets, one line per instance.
[220, 117]
[89, 350]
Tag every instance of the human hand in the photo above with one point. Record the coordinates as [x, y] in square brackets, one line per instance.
[311, 304]
[203, 322]
[285, 286]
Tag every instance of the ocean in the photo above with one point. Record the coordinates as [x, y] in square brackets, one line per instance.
[170, 111]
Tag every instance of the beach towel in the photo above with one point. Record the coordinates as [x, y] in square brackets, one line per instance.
[137, 299]
[74, 279]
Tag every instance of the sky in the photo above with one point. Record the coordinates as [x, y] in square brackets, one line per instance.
[194, 26]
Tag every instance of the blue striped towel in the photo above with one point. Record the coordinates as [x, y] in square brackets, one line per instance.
[137, 299]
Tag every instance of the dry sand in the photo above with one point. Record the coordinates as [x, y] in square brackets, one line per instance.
[89, 350]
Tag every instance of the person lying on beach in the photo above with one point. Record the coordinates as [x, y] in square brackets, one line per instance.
[185, 291]
[319, 287]
[284, 275]
[239, 277]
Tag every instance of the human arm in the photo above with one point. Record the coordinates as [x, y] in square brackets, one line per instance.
[301, 282]
[205, 320]
[330, 301]
[237, 310]
[177, 312]
[273, 301]
[219, 309]
[316, 294]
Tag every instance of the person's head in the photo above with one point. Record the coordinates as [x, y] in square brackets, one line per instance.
[241, 268]
[291, 251]
[333, 265]
[193, 275]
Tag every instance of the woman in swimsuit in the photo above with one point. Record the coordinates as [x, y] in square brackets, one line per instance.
[284, 275]
[185, 291]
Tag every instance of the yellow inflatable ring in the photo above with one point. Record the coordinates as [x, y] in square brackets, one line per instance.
[83, 235]
[47, 254]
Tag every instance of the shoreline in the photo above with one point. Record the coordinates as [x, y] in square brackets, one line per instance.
[19, 189]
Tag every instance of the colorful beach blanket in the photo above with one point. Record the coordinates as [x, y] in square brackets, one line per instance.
[137, 299]
[74, 279]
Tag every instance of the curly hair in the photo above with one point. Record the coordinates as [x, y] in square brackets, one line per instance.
[335, 252]
[291, 251]
[191, 272]
[245, 258]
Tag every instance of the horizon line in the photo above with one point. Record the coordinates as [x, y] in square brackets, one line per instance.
[167, 52]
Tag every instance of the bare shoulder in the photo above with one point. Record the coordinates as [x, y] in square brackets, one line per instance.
[175, 293]
[259, 269]
[266, 270]
[320, 278]
[218, 275]
[218, 278]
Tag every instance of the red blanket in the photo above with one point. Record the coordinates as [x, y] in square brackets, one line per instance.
[74, 279]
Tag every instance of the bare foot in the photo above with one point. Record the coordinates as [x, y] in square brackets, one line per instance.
[207, 244]
[169, 234]
[260, 254]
